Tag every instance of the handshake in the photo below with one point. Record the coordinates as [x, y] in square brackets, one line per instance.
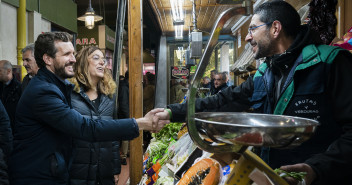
[154, 120]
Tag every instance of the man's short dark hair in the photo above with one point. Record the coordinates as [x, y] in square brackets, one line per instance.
[150, 77]
[29, 47]
[281, 11]
[45, 44]
[223, 75]
[206, 78]
[7, 64]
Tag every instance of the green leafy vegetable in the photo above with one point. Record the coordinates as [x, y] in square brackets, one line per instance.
[156, 150]
[297, 175]
[161, 141]
[168, 132]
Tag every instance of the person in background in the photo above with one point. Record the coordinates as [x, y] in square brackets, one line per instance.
[94, 96]
[148, 102]
[219, 83]
[46, 122]
[212, 79]
[29, 63]
[5, 144]
[121, 78]
[299, 77]
[206, 82]
[124, 112]
[148, 92]
[176, 93]
[226, 73]
[10, 90]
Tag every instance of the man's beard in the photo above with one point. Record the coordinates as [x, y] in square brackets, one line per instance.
[264, 47]
[60, 71]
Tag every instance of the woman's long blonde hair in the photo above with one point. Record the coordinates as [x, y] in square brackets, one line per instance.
[106, 86]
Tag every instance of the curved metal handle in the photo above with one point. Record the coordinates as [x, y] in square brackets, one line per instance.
[245, 9]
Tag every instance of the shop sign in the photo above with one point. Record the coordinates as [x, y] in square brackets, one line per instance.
[109, 38]
[179, 72]
[193, 69]
[86, 37]
[86, 41]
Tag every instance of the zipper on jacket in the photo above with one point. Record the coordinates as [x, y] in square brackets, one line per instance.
[289, 78]
[266, 89]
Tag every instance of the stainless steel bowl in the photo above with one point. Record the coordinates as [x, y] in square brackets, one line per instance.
[254, 129]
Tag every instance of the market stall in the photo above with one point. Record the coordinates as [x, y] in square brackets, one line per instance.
[216, 149]
[174, 158]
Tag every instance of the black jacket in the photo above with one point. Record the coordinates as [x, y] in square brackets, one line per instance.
[5, 144]
[94, 162]
[220, 88]
[5, 133]
[45, 126]
[25, 81]
[4, 177]
[10, 95]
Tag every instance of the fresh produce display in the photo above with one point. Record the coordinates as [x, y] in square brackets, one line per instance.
[160, 142]
[182, 131]
[155, 151]
[168, 132]
[205, 172]
[297, 175]
[169, 153]
[159, 151]
[165, 181]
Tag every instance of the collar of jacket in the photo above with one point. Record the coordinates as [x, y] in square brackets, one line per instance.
[64, 85]
[222, 86]
[51, 77]
[285, 60]
[13, 81]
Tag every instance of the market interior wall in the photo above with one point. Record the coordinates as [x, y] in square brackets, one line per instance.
[35, 24]
[8, 33]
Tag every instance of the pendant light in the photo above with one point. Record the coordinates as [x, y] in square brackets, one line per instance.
[90, 17]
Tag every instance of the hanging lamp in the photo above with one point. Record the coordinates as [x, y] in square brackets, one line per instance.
[90, 17]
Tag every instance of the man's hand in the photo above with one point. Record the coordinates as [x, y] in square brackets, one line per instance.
[152, 122]
[116, 179]
[301, 167]
[164, 115]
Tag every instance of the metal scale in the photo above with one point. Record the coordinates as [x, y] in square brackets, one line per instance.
[235, 132]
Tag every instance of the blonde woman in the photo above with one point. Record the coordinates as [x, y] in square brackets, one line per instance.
[93, 97]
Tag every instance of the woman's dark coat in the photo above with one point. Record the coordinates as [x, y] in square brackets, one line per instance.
[94, 162]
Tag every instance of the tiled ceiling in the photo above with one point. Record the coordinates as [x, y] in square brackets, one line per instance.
[207, 11]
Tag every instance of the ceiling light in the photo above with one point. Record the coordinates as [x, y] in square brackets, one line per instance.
[177, 11]
[90, 17]
[178, 32]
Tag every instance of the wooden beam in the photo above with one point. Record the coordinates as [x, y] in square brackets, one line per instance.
[340, 15]
[135, 49]
[348, 15]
